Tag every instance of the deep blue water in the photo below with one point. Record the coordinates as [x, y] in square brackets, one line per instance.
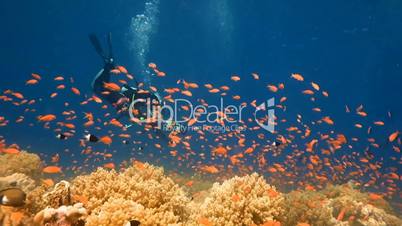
[353, 49]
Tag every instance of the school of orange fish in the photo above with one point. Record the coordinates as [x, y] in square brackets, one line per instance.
[311, 154]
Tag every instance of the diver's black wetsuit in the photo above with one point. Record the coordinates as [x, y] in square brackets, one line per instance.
[128, 93]
[131, 96]
[104, 74]
[101, 78]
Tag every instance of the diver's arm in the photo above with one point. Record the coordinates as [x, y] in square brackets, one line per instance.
[97, 80]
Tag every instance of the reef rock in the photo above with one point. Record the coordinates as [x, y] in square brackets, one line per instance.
[23, 162]
[62, 216]
[17, 180]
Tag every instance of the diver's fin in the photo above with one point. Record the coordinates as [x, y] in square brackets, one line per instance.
[95, 42]
[109, 44]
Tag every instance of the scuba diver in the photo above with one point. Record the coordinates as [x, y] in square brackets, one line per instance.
[130, 101]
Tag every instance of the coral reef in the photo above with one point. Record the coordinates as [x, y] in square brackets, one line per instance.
[59, 195]
[244, 200]
[347, 208]
[120, 211]
[117, 212]
[10, 216]
[308, 207]
[164, 202]
[336, 205]
[144, 193]
[23, 162]
[42, 197]
[34, 200]
[371, 216]
[349, 193]
[17, 180]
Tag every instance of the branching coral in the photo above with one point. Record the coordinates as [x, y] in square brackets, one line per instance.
[23, 162]
[17, 180]
[141, 184]
[244, 200]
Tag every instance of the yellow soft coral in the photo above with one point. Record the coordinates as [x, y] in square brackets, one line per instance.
[244, 200]
[116, 211]
[143, 185]
[23, 162]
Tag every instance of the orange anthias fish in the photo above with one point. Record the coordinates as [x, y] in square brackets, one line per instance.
[48, 182]
[10, 150]
[59, 78]
[328, 120]
[75, 91]
[116, 123]
[160, 73]
[272, 88]
[393, 136]
[31, 82]
[111, 86]
[189, 183]
[187, 93]
[122, 69]
[235, 78]
[315, 86]
[18, 95]
[106, 140]
[110, 165]
[298, 77]
[47, 118]
[52, 169]
[210, 169]
[36, 76]
[152, 65]
[255, 76]
[215, 90]
[220, 150]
